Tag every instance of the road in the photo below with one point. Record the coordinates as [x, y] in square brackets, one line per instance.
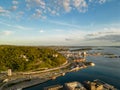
[47, 70]
[33, 81]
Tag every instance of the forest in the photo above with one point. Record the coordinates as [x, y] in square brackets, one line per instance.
[26, 58]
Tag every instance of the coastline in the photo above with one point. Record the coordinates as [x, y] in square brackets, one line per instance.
[37, 84]
[27, 84]
[33, 78]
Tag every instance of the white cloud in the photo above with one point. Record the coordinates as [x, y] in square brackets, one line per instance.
[98, 1]
[41, 31]
[81, 5]
[102, 1]
[90, 0]
[56, 7]
[28, 6]
[21, 27]
[6, 33]
[20, 12]
[53, 12]
[40, 2]
[14, 8]
[108, 38]
[2, 10]
[37, 13]
[105, 33]
[34, 3]
[64, 24]
[18, 27]
[15, 2]
[42, 8]
[19, 15]
[66, 5]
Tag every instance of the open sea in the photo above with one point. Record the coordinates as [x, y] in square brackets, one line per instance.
[105, 69]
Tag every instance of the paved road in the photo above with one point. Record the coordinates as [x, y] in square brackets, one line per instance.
[33, 81]
[63, 66]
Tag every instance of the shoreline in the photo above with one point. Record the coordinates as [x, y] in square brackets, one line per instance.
[26, 84]
[28, 81]
[33, 81]
[36, 84]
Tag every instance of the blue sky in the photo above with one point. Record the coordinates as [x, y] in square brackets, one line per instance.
[60, 22]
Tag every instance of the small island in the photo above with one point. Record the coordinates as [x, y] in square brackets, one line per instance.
[111, 55]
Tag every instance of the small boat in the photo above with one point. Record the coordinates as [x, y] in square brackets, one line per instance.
[92, 64]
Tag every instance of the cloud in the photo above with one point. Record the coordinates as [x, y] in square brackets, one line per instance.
[54, 7]
[15, 2]
[90, 0]
[40, 2]
[19, 15]
[34, 3]
[107, 35]
[66, 5]
[92, 34]
[64, 24]
[6, 33]
[111, 38]
[44, 8]
[14, 8]
[2, 10]
[102, 1]
[53, 12]
[106, 31]
[38, 14]
[41, 31]
[59, 30]
[81, 5]
[20, 27]
[68, 39]
[20, 12]
[98, 1]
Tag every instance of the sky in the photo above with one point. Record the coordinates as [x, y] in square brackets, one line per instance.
[60, 22]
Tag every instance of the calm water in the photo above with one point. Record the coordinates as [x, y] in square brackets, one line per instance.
[106, 69]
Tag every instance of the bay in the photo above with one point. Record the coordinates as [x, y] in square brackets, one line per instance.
[105, 69]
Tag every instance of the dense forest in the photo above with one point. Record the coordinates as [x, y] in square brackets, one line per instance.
[25, 58]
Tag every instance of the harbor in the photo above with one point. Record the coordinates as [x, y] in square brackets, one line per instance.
[88, 85]
[76, 64]
[102, 71]
[75, 61]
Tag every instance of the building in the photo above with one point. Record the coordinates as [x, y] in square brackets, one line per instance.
[106, 86]
[84, 54]
[93, 85]
[54, 87]
[74, 86]
[80, 60]
[9, 72]
[98, 85]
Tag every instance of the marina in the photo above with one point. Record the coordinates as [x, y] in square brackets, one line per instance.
[76, 66]
[101, 70]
